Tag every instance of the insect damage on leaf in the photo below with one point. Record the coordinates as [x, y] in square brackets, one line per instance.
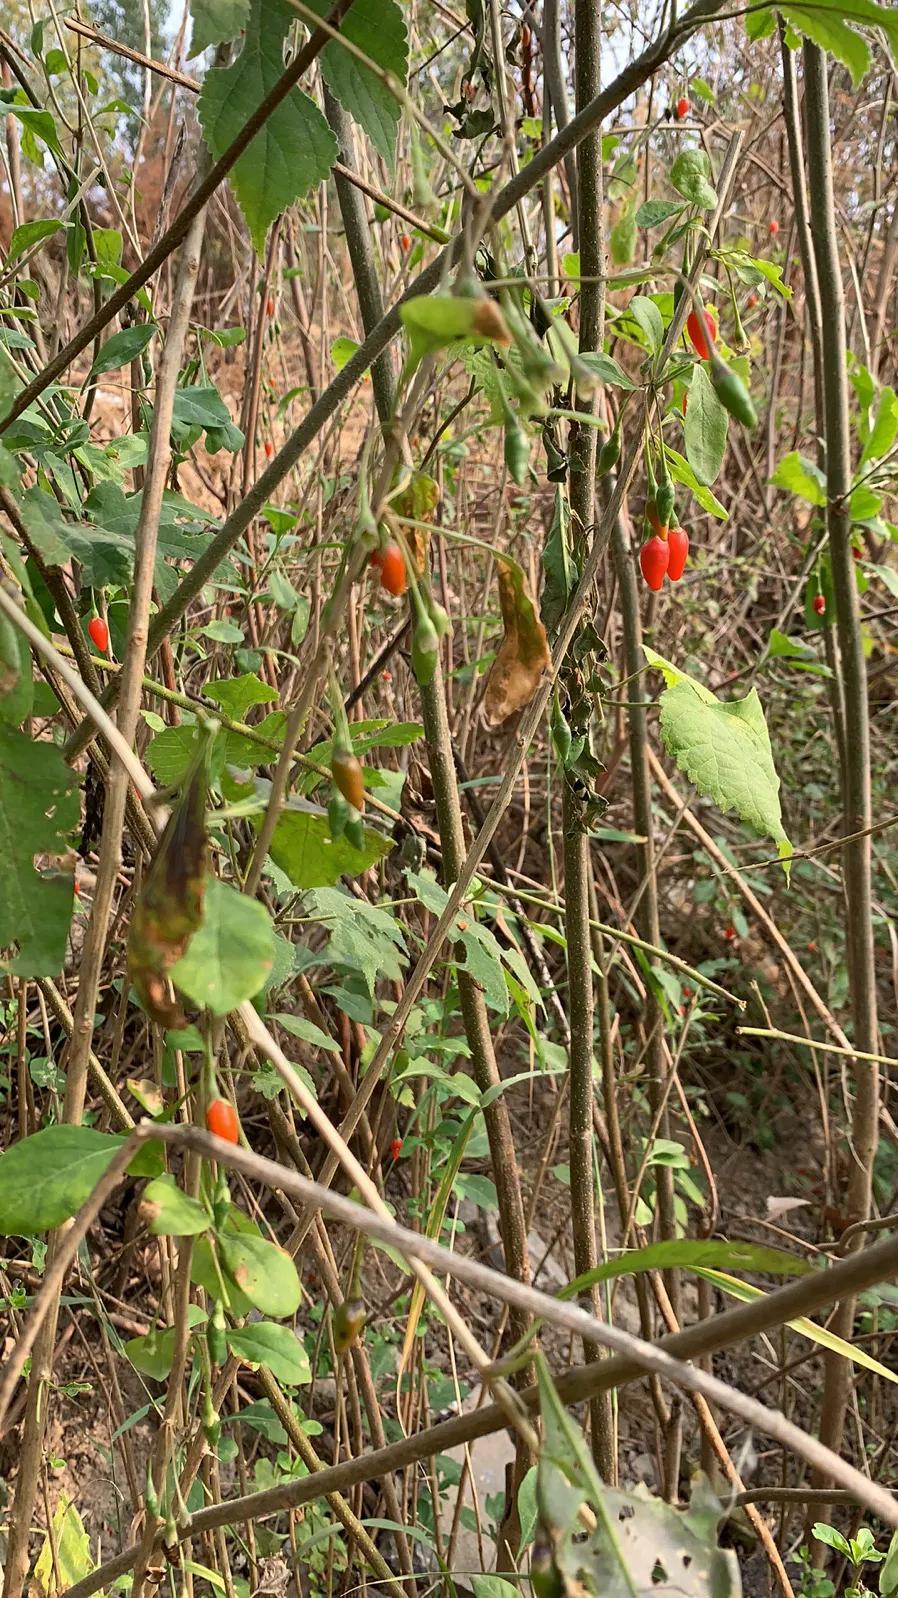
[523, 655]
[169, 908]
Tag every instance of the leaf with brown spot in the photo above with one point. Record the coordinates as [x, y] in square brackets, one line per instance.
[169, 907]
[524, 653]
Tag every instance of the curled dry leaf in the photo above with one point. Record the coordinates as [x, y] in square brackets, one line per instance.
[417, 500]
[169, 908]
[524, 653]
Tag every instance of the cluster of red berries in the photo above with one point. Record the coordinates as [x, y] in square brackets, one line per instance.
[664, 555]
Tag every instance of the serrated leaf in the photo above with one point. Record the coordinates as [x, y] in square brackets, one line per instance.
[378, 28]
[45, 1178]
[706, 428]
[293, 151]
[232, 953]
[832, 33]
[168, 1212]
[265, 1274]
[303, 847]
[39, 808]
[276, 1347]
[724, 750]
[215, 21]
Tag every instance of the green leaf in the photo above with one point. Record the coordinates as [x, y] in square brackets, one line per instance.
[203, 1269]
[39, 808]
[888, 1576]
[215, 21]
[65, 1558]
[560, 572]
[230, 956]
[622, 240]
[690, 175]
[265, 1274]
[28, 234]
[16, 680]
[45, 1178]
[123, 347]
[606, 369]
[760, 24]
[237, 694]
[724, 749]
[299, 1027]
[153, 1353]
[690, 1254]
[652, 213]
[378, 28]
[105, 557]
[293, 151]
[885, 427]
[342, 350]
[808, 1328]
[802, 477]
[303, 847]
[494, 1587]
[706, 428]
[363, 937]
[202, 407]
[648, 317]
[170, 1213]
[277, 1347]
[831, 33]
[681, 472]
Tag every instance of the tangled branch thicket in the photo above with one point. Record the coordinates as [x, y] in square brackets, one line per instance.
[447, 867]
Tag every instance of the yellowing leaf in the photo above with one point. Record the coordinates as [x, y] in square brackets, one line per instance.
[524, 654]
[73, 1557]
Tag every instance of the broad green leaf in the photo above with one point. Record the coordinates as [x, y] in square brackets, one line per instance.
[760, 24]
[153, 1353]
[690, 1254]
[39, 808]
[16, 680]
[123, 347]
[45, 1178]
[648, 317]
[885, 427]
[38, 125]
[831, 32]
[342, 350]
[724, 750]
[606, 369]
[105, 557]
[263, 1272]
[690, 175]
[215, 21]
[300, 1027]
[802, 477]
[202, 1263]
[303, 847]
[170, 1213]
[363, 938]
[681, 472]
[652, 213]
[293, 151]
[65, 1558]
[494, 1587]
[237, 694]
[807, 1328]
[277, 1347]
[378, 28]
[752, 269]
[201, 409]
[706, 428]
[28, 234]
[232, 953]
[622, 239]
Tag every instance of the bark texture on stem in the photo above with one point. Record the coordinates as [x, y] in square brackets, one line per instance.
[857, 818]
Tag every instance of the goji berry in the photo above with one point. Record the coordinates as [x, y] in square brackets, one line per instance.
[654, 558]
[752, 301]
[99, 633]
[405, 243]
[269, 306]
[395, 1148]
[221, 1119]
[346, 771]
[678, 545]
[393, 575]
[682, 108]
[702, 332]
[773, 227]
[820, 604]
[269, 448]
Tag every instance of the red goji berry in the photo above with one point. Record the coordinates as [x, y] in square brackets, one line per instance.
[393, 575]
[678, 545]
[773, 227]
[395, 1148]
[682, 108]
[820, 604]
[654, 558]
[99, 633]
[221, 1119]
[702, 333]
